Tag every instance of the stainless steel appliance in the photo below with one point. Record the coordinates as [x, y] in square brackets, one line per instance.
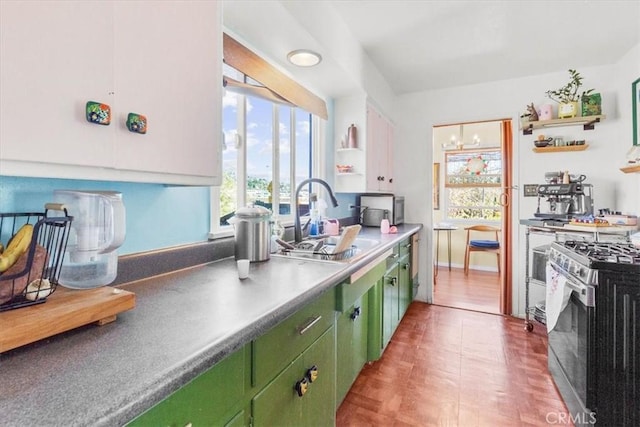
[252, 226]
[594, 346]
[376, 207]
[564, 201]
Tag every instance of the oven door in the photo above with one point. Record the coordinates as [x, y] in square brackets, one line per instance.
[572, 348]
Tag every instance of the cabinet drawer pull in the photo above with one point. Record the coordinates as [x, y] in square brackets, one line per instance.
[309, 324]
[312, 373]
[301, 386]
[356, 312]
[394, 256]
[406, 266]
[407, 246]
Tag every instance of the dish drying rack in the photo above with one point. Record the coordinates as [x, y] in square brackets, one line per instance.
[42, 271]
[325, 253]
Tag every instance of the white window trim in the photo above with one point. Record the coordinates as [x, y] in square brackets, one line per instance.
[317, 166]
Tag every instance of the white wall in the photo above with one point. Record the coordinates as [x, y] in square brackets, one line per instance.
[415, 114]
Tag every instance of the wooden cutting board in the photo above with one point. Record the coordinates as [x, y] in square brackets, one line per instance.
[347, 237]
[64, 310]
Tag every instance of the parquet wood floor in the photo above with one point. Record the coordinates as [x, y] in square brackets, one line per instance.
[480, 290]
[452, 367]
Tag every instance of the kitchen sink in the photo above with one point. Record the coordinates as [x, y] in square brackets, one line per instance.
[325, 253]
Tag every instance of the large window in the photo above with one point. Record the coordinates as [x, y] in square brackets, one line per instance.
[473, 180]
[267, 151]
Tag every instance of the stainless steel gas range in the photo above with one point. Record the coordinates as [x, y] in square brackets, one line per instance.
[594, 346]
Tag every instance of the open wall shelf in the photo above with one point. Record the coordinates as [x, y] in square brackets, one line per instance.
[587, 122]
[558, 149]
[631, 169]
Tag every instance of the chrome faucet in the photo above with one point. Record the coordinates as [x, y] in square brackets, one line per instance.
[296, 226]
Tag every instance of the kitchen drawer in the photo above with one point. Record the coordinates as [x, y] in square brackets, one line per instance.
[279, 404]
[393, 258]
[210, 399]
[359, 283]
[404, 247]
[273, 351]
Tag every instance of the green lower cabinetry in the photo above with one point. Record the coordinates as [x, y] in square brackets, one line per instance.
[215, 398]
[279, 404]
[351, 348]
[390, 311]
[405, 284]
[298, 372]
[374, 332]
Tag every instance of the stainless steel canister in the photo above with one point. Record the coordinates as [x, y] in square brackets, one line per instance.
[252, 225]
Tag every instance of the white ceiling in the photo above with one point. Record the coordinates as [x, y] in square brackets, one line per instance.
[418, 45]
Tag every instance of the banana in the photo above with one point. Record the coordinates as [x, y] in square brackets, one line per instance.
[18, 245]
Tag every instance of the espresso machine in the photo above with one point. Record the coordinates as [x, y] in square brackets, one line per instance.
[562, 202]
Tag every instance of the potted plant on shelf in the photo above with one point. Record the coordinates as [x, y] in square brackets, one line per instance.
[568, 95]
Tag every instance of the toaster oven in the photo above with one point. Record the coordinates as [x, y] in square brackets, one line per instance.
[376, 207]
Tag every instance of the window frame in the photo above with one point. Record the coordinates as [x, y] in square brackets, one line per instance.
[449, 187]
[316, 166]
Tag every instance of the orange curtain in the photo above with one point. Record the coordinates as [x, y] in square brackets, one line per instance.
[507, 194]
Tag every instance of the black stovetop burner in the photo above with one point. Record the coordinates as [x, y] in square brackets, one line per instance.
[598, 252]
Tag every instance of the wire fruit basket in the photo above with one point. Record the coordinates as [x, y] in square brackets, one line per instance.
[33, 274]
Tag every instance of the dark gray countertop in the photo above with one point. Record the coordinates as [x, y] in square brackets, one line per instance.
[183, 324]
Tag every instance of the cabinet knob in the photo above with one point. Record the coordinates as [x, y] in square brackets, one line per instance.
[355, 313]
[302, 386]
[406, 266]
[312, 373]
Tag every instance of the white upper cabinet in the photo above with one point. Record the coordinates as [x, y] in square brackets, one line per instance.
[160, 60]
[380, 152]
[372, 159]
[55, 56]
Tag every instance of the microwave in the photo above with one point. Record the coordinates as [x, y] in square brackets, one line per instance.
[376, 207]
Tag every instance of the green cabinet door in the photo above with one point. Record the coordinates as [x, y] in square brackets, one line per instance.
[280, 403]
[390, 313]
[405, 284]
[351, 349]
[215, 398]
[374, 297]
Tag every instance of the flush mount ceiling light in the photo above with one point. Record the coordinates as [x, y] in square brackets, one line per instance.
[304, 58]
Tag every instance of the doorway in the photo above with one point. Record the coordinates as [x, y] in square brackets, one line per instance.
[472, 186]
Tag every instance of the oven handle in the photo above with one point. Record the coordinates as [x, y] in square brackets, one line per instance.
[586, 292]
[578, 287]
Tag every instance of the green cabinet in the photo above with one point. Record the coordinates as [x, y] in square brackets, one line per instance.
[214, 398]
[274, 351]
[390, 311]
[390, 298]
[304, 393]
[351, 348]
[352, 324]
[405, 284]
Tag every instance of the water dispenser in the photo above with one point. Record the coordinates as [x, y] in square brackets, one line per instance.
[97, 231]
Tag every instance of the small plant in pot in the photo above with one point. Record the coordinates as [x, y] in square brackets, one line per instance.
[568, 95]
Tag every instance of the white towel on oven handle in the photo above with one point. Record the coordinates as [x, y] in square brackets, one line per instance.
[557, 296]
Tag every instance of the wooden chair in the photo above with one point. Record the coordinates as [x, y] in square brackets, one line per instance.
[473, 245]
